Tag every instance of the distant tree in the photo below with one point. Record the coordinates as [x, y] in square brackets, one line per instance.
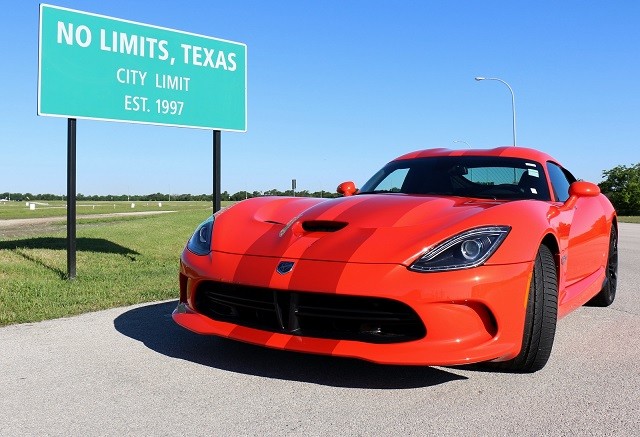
[182, 197]
[622, 187]
[155, 197]
[240, 195]
[272, 192]
[325, 194]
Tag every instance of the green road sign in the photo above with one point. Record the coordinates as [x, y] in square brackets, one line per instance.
[97, 67]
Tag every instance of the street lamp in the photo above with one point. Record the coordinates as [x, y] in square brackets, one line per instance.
[513, 102]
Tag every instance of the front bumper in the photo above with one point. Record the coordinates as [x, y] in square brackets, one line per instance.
[470, 316]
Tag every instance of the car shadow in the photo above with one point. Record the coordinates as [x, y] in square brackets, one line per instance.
[153, 326]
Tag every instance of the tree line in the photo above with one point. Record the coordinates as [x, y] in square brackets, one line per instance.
[622, 186]
[161, 197]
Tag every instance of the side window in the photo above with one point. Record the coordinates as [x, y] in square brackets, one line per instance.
[560, 181]
[393, 182]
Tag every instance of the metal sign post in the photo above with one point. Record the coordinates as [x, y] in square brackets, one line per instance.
[71, 198]
[216, 171]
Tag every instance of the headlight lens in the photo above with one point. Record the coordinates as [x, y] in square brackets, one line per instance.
[200, 241]
[463, 251]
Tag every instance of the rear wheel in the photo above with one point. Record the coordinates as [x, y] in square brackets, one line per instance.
[541, 316]
[608, 293]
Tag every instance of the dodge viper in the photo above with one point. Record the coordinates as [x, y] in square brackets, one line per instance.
[444, 257]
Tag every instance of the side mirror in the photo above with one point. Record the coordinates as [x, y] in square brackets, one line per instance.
[583, 189]
[576, 190]
[347, 188]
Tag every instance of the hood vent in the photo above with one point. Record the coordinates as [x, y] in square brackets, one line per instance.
[322, 226]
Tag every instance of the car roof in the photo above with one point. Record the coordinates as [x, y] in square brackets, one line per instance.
[506, 152]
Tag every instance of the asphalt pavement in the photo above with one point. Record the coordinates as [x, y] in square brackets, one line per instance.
[132, 371]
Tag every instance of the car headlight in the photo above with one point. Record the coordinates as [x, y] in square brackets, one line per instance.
[200, 241]
[463, 251]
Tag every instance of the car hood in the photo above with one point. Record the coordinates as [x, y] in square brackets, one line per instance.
[374, 228]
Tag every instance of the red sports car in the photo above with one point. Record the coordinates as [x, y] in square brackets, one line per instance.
[443, 257]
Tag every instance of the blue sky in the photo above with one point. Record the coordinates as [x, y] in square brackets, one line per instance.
[338, 88]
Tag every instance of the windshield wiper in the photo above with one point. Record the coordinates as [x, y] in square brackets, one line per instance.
[379, 192]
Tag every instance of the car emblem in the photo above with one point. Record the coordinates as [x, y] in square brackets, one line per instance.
[284, 267]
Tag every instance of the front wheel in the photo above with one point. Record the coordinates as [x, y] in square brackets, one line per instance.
[541, 316]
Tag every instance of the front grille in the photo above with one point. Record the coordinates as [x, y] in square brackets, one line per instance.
[322, 315]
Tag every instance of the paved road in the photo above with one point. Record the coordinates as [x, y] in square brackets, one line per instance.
[131, 371]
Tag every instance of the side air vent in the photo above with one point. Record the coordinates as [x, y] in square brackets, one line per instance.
[322, 226]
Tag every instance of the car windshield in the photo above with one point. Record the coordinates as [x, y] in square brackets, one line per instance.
[489, 177]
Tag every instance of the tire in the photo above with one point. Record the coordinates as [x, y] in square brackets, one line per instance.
[608, 293]
[541, 317]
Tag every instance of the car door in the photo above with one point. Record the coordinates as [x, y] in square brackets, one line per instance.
[585, 245]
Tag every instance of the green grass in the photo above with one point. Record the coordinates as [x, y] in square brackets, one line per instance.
[629, 219]
[119, 262]
[15, 210]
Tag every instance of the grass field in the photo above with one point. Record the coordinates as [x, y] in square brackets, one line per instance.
[14, 210]
[121, 260]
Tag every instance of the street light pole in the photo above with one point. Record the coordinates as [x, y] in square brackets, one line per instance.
[513, 102]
